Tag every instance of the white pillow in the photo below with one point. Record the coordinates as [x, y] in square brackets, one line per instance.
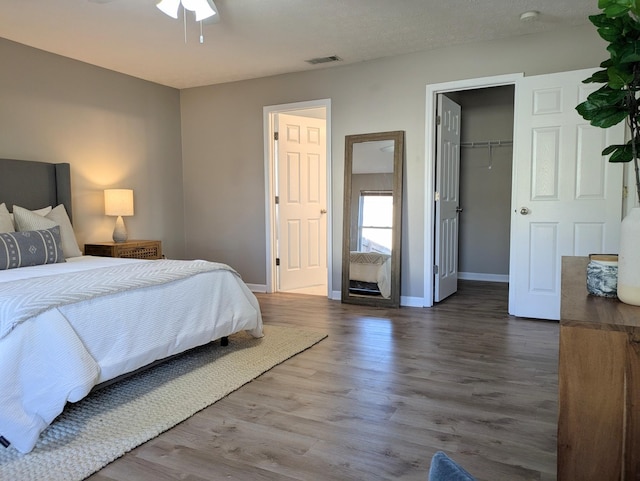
[6, 222]
[44, 211]
[69, 243]
[28, 220]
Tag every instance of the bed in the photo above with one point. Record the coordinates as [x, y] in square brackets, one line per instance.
[370, 274]
[69, 325]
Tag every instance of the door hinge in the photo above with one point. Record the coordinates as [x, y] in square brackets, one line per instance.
[277, 199]
[438, 120]
[277, 261]
[435, 270]
[275, 136]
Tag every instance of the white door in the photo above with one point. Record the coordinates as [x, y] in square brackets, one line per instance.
[447, 205]
[302, 226]
[567, 198]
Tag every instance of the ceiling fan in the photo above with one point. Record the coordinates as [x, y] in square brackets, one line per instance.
[202, 8]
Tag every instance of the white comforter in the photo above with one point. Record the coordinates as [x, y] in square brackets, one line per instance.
[372, 267]
[58, 354]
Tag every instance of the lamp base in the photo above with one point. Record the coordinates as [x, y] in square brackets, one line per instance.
[120, 231]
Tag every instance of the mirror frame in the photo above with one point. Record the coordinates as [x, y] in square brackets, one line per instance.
[396, 239]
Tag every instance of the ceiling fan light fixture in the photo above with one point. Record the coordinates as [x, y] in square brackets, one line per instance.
[203, 8]
[169, 7]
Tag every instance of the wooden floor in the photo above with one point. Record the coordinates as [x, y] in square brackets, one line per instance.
[377, 398]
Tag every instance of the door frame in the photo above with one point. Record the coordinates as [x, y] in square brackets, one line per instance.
[430, 162]
[269, 124]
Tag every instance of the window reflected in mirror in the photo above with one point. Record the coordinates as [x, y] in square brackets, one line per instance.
[375, 221]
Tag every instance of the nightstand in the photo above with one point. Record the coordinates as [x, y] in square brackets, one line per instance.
[133, 249]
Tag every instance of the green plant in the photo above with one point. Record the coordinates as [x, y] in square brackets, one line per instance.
[617, 99]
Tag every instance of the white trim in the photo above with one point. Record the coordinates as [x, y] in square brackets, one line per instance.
[480, 276]
[268, 114]
[406, 301]
[261, 288]
[429, 155]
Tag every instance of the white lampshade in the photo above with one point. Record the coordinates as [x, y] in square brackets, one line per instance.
[118, 202]
[170, 7]
[202, 8]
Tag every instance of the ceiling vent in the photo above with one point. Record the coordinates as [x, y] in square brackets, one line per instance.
[315, 61]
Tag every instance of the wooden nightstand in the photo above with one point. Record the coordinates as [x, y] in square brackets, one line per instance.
[133, 249]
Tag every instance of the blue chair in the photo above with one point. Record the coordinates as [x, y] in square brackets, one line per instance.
[443, 468]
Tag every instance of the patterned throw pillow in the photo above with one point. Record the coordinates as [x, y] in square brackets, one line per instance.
[30, 248]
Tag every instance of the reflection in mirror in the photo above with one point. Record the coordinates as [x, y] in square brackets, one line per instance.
[372, 215]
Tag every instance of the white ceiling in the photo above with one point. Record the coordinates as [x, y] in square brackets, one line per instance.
[258, 38]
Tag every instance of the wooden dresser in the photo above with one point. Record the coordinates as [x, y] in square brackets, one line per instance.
[599, 383]
[134, 249]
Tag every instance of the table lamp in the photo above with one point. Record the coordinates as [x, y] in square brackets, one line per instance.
[118, 202]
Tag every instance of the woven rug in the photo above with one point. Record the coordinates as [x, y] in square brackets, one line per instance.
[109, 422]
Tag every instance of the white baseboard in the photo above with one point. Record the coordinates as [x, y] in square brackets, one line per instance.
[261, 288]
[411, 301]
[477, 276]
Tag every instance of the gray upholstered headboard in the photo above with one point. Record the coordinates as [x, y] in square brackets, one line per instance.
[33, 185]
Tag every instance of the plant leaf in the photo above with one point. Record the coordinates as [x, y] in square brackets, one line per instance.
[612, 148]
[614, 10]
[606, 96]
[630, 52]
[598, 77]
[619, 76]
[623, 153]
[610, 29]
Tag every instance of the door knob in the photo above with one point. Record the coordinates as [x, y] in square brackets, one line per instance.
[524, 211]
[323, 211]
[459, 209]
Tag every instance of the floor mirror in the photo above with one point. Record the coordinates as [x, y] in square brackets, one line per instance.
[372, 218]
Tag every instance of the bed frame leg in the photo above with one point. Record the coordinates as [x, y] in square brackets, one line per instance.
[224, 341]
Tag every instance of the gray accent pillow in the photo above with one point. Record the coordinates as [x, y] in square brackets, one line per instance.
[30, 248]
[28, 220]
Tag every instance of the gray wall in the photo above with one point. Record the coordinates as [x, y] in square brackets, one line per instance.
[223, 138]
[114, 130]
[117, 131]
[485, 180]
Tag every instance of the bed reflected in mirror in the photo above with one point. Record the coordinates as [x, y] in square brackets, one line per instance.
[372, 218]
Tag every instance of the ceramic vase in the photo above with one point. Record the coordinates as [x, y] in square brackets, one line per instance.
[602, 275]
[629, 259]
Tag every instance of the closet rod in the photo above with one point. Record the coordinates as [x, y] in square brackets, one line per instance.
[489, 143]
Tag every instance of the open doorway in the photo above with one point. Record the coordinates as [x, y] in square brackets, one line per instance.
[474, 172]
[486, 155]
[297, 173]
[481, 190]
[566, 199]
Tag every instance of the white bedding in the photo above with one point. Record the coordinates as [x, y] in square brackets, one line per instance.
[61, 353]
[372, 267]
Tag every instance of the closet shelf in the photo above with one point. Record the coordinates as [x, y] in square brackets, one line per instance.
[487, 143]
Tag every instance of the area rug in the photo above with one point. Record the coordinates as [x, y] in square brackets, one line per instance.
[109, 422]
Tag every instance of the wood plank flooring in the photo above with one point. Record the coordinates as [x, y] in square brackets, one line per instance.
[377, 398]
